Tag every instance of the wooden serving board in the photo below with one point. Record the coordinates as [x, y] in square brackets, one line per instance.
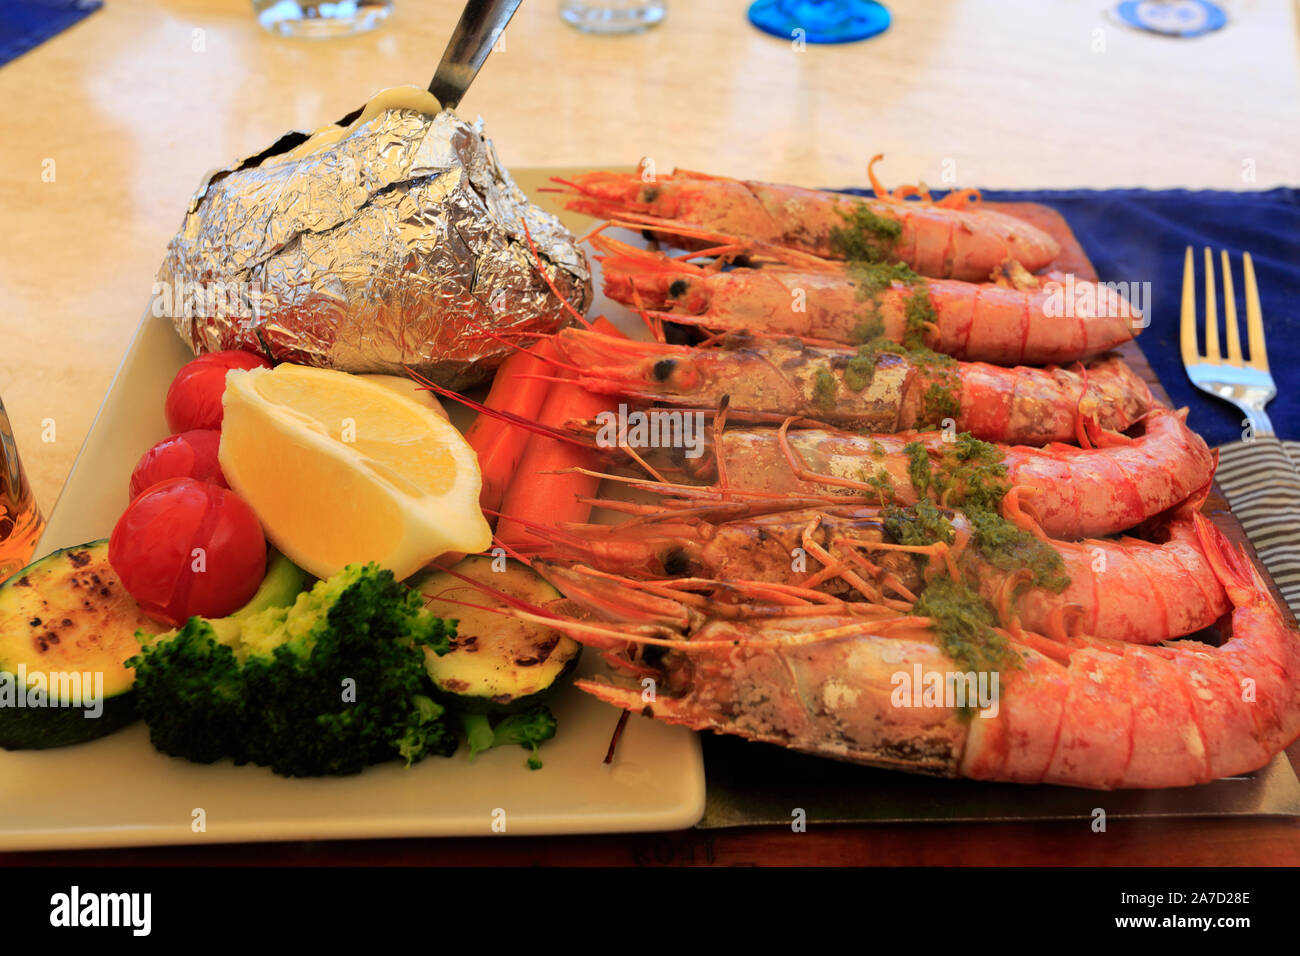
[748, 786]
[759, 784]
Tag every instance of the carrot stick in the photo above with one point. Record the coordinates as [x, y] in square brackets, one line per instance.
[511, 394]
[533, 496]
[500, 445]
[602, 324]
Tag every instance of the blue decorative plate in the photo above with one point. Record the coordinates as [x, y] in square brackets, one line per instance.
[1173, 18]
[820, 21]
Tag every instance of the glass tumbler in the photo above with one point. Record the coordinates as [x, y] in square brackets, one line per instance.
[20, 520]
[320, 19]
[613, 16]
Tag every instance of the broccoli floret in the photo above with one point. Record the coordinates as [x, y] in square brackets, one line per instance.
[528, 729]
[327, 686]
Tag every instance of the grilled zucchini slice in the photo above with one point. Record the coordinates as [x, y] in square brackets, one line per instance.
[496, 665]
[66, 626]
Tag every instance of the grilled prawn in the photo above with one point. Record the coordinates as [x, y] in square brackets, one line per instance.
[1127, 589]
[953, 238]
[1070, 492]
[880, 392]
[1085, 712]
[1022, 320]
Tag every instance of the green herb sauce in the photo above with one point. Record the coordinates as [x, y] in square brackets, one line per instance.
[1008, 548]
[873, 277]
[824, 389]
[884, 488]
[942, 397]
[866, 236]
[860, 372]
[872, 327]
[969, 474]
[920, 525]
[939, 402]
[964, 625]
[918, 312]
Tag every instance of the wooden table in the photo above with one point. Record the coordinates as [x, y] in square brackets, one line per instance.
[129, 108]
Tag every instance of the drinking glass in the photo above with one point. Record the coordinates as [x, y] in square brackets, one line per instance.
[613, 16]
[20, 520]
[320, 19]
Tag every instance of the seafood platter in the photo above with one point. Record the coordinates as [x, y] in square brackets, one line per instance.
[430, 496]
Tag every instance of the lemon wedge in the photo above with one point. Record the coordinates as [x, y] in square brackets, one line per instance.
[405, 386]
[342, 470]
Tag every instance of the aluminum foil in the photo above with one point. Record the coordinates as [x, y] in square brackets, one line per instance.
[397, 246]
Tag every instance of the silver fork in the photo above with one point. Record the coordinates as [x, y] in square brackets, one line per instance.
[1245, 383]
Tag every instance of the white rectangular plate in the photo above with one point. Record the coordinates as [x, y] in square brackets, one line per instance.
[119, 791]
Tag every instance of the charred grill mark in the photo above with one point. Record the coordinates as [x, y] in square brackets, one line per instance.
[677, 289]
[79, 559]
[542, 649]
[663, 369]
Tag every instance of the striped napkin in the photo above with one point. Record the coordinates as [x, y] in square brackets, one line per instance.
[1261, 480]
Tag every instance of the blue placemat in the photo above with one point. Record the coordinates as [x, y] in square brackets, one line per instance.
[25, 24]
[1138, 235]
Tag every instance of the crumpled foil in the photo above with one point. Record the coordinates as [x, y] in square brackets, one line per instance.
[398, 246]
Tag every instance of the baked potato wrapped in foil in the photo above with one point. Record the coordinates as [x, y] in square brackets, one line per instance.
[395, 241]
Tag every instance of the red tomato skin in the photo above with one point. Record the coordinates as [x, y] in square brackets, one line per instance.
[152, 549]
[191, 454]
[194, 398]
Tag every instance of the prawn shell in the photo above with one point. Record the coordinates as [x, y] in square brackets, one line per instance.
[934, 240]
[832, 699]
[1073, 492]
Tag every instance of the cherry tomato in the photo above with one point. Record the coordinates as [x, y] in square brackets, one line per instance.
[191, 454]
[194, 398]
[186, 547]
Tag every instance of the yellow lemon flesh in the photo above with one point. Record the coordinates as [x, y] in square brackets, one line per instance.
[341, 470]
[406, 386]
